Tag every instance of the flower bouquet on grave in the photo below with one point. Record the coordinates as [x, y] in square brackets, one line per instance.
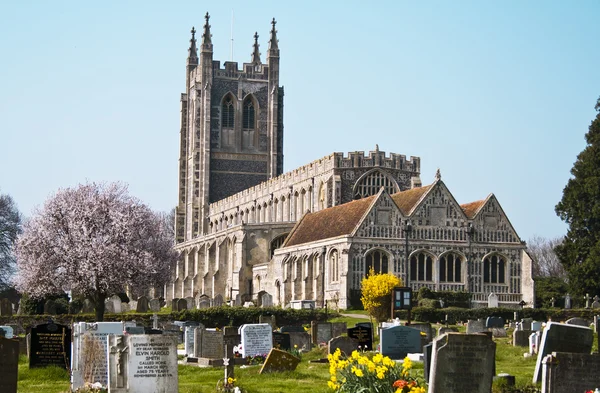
[89, 387]
[256, 359]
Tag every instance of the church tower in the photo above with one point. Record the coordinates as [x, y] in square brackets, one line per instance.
[231, 135]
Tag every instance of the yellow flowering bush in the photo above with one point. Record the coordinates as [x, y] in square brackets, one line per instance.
[378, 374]
[376, 292]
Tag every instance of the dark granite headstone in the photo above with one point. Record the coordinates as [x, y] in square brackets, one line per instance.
[142, 305]
[363, 335]
[494, 322]
[281, 341]
[9, 365]
[427, 360]
[50, 345]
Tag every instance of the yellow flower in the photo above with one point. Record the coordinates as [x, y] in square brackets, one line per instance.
[378, 358]
[407, 363]
[417, 390]
[359, 372]
[355, 354]
[363, 361]
[333, 385]
[371, 366]
[380, 375]
[388, 362]
[230, 380]
[333, 378]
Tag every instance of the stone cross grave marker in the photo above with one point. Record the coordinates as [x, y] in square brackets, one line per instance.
[50, 346]
[88, 360]
[278, 361]
[398, 341]
[9, 365]
[492, 300]
[257, 339]
[142, 364]
[462, 363]
[570, 372]
[588, 300]
[558, 337]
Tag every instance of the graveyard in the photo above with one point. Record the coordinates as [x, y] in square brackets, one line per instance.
[166, 351]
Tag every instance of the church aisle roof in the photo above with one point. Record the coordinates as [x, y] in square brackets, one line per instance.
[472, 208]
[332, 222]
[409, 199]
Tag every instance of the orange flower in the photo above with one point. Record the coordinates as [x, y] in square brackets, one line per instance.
[400, 384]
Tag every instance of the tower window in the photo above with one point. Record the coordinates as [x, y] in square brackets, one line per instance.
[248, 114]
[228, 112]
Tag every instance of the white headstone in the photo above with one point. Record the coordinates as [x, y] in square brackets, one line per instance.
[154, 305]
[116, 300]
[257, 339]
[492, 300]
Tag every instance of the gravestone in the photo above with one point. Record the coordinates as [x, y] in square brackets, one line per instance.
[218, 300]
[444, 330]
[570, 372]
[536, 326]
[266, 300]
[135, 330]
[50, 307]
[282, 341]
[521, 338]
[568, 302]
[154, 305]
[190, 303]
[88, 307]
[558, 337]
[338, 328]
[50, 346]
[475, 326]
[398, 341]
[88, 360]
[278, 361]
[526, 324]
[142, 364]
[425, 328]
[203, 302]
[257, 339]
[462, 363]
[534, 342]
[292, 328]
[270, 319]
[321, 332]
[142, 305]
[182, 305]
[9, 365]
[363, 336]
[345, 344]
[248, 304]
[109, 307]
[175, 305]
[427, 350]
[231, 338]
[494, 322]
[7, 332]
[212, 344]
[300, 340]
[197, 342]
[126, 307]
[116, 300]
[189, 339]
[5, 308]
[596, 303]
[492, 300]
[577, 322]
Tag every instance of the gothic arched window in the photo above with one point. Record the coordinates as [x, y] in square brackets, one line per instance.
[421, 267]
[334, 266]
[372, 183]
[450, 268]
[494, 270]
[248, 117]
[228, 112]
[378, 261]
[277, 242]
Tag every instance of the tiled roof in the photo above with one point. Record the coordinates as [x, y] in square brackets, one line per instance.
[406, 200]
[472, 208]
[332, 222]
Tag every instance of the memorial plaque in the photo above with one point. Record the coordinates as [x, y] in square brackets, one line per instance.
[281, 341]
[398, 341]
[9, 365]
[570, 372]
[257, 339]
[151, 364]
[50, 345]
[363, 335]
[278, 361]
[559, 337]
[212, 344]
[462, 363]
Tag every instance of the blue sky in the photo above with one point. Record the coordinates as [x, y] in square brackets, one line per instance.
[498, 95]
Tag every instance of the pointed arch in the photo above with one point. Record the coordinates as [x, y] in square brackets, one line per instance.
[421, 266]
[228, 104]
[249, 122]
[494, 268]
[371, 182]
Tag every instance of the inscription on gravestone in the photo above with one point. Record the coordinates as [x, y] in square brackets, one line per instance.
[570, 372]
[257, 339]
[212, 344]
[398, 341]
[152, 364]
[50, 345]
[363, 335]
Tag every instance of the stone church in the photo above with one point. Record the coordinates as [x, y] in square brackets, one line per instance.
[246, 231]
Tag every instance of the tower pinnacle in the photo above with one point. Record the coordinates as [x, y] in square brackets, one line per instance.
[192, 51]
[206, 36]
[256, 53]
[273, 41]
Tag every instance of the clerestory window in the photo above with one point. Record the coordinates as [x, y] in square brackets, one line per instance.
[228, 112]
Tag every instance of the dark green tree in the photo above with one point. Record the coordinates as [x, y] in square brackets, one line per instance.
[10, 227]
[580, 209]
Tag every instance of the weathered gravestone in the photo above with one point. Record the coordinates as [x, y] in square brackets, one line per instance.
[190, 303]
[203, 301]
[175, 304]
[182, 305]
[558, 337]
[50, 346]
[266, 300]
[189, 338]
[363, 336]
[212, 346]
[525, 324]
[116, 301]
[320, 332]
[462, 363]
[567, 301]
[7, 332]
[492, 300]
[5, 308]
[345, 344]
[475, 326]
[142, 364]
[270, 319]
[257, 339]
[9, 365]
[126, 307]
[278, 361]
[88, 360]
[578, 322]
[398, 341]
[109, 307]
[154, 305]
[570, 372]
[300, 340]
[88, 307]
[142, 304]
[338, 328]
[282, 341]
[521, 337]
[218, 300]
[536, 326]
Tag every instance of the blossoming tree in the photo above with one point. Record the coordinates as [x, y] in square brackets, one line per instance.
[95, 240]
[376, 291]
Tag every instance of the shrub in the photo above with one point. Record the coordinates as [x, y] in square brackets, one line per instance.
[376, 294]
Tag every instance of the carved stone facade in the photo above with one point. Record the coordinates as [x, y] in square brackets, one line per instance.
[244, 229]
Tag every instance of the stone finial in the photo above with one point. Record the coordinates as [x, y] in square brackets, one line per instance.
[273, 41]
[192, 51]
[438, 174]
[256, 53]
[206, 36]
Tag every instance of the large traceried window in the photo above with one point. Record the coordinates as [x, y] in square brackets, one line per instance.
[494, 270]
[228, 112]
[450, 268]
[421, 267]
[334, 265]
[372, 183]
[378, 261]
